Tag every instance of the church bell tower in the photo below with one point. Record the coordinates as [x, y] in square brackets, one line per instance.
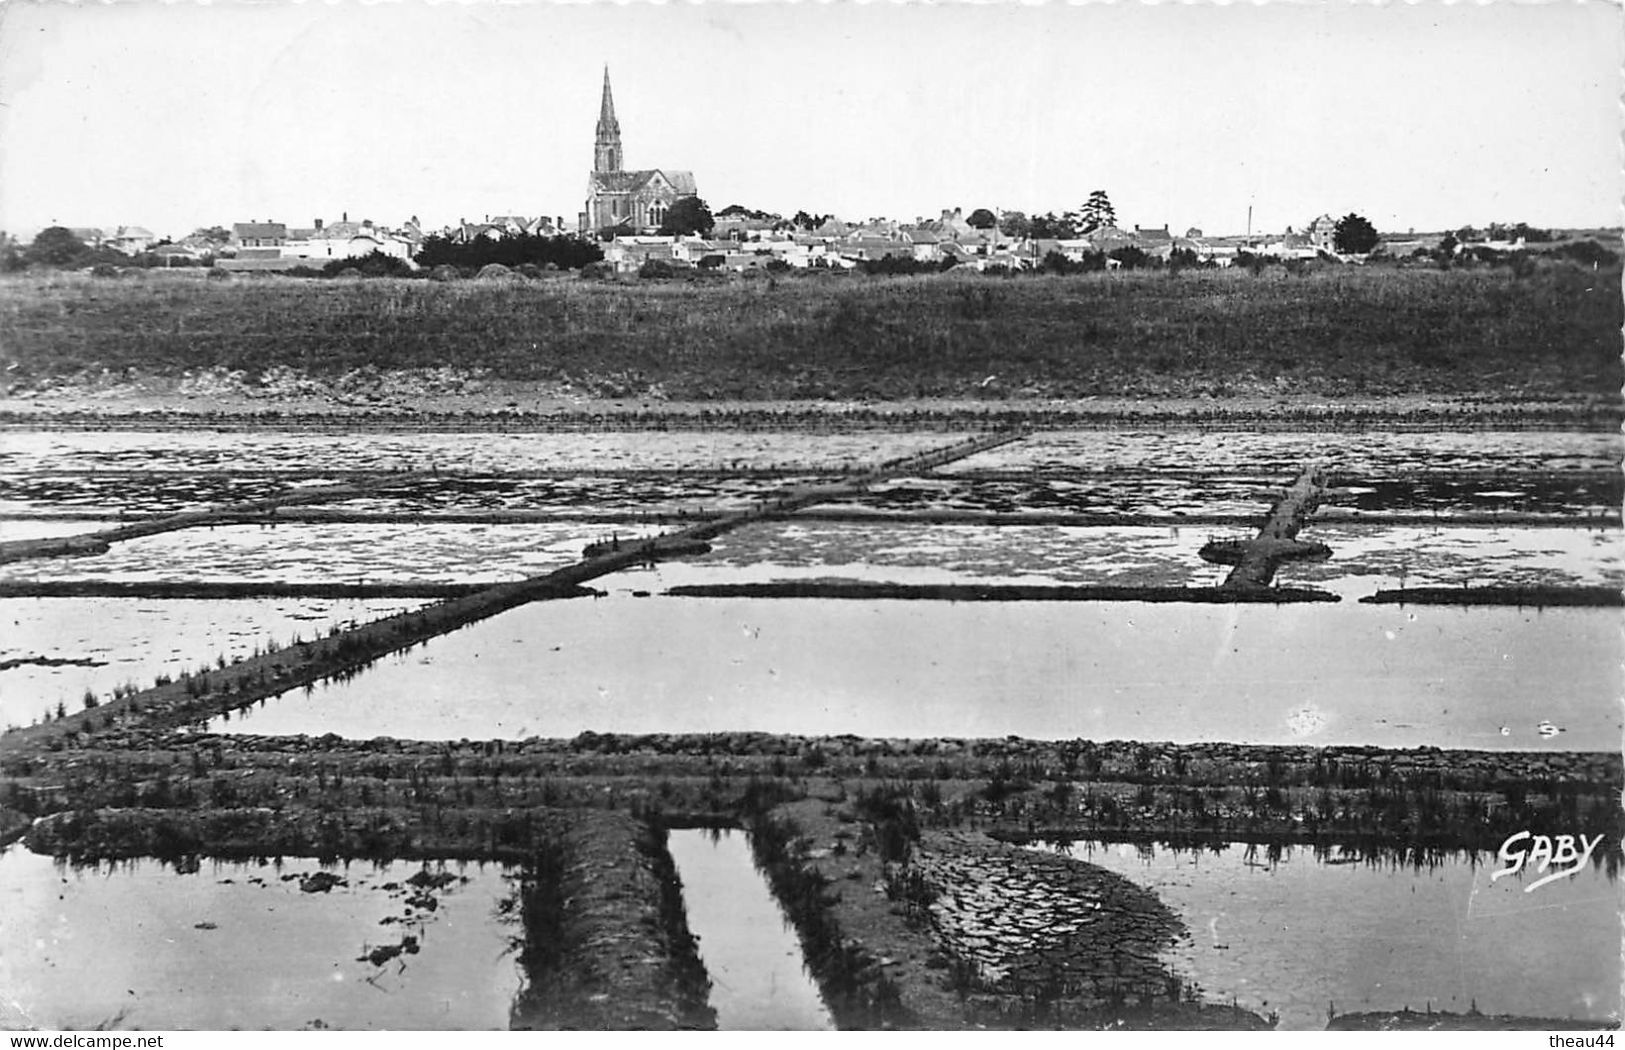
[606, 150]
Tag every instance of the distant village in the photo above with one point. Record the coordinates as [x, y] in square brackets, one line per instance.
[741, 240]
[628, 215]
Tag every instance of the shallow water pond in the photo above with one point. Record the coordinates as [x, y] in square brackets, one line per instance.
[241, 946]
[906, 552]
[483, 451]
[1320, 674]
[1297, 934]
[48, 528]
[131, 493]
[54, 649]
[1368, 558]
[1586, 496]
[1105, 494]
[338, 553]
[1373, 453]
[750, 950]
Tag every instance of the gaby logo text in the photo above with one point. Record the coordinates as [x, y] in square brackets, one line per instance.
[1555, 857]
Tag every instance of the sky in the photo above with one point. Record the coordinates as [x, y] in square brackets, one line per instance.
[1426, 116]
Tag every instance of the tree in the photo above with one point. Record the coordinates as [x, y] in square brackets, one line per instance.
[11, 255]
[1014, 224]
[745, 213]
[808, 221]
[687, 215]
[56, 246]
[1052, 227]
[1354, 235]
[1096, 212]
[211, 234]
[982, 219]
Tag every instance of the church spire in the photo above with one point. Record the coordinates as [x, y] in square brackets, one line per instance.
[606, 154]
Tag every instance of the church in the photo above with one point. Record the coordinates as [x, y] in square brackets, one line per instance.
[616, 197]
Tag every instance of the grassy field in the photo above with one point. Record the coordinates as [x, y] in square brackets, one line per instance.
[1337, 332]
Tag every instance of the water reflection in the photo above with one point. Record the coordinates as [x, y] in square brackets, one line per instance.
[1295, 929]
[221, 945]
[750, 949]
[1368, 675]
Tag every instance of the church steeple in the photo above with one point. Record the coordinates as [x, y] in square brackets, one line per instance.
[606, 152]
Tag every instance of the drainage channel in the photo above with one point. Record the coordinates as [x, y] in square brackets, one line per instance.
[750, 950]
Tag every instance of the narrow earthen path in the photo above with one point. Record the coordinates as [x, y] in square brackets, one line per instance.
[1256, 560]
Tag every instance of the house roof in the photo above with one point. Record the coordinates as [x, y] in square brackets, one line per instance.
[134, 232]
[338, 231]
[259, 229]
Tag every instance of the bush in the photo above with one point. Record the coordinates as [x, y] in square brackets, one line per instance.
[773, 266]
[530, 271]
[1587, 253]
[897, 264]
[104, 270]
[1091, 262]
[494, 272]
[347, 273]
[597, 271]
[375, 264]
[444, 272]
[567, 253]
[1130, 258]
[217, 274]
[657, 269]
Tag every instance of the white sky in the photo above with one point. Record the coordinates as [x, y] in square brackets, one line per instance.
[1426, 116]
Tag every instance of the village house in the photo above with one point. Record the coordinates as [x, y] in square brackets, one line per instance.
[276, 246]
[131, 240]
[252, 235]
[1109, 238]
[616, 197]
[1322, 233]
[927, 246]
[177, 254]
[627, 254]
[1157, 242]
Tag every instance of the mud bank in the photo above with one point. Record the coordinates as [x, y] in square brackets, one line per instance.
[606, 943]
[384, 799]
[1443, 1021]
[1002, 592]
[519, 411]
[1535, 597]
[246, 589]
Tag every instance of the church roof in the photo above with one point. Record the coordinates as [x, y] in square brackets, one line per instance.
[632, 181]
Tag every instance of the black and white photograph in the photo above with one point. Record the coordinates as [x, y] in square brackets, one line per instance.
[826, 516]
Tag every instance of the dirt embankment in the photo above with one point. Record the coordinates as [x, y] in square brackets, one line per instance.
[1349, 331]
[606, 944]
[525, 409]
[123, 793]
